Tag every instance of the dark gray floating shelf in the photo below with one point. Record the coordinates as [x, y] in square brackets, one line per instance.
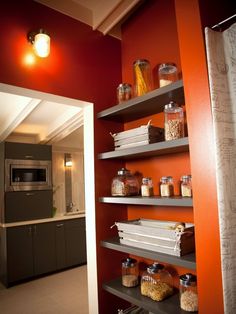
[166, 147]
[187, 261]
[148, 104]
[133, 295]
[153, 200]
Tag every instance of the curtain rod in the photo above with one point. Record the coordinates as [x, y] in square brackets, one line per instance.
[222, 22]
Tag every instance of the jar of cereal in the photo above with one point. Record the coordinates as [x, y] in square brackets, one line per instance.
[188, 292]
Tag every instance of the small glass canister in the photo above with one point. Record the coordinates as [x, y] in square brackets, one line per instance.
[166, 186]
[167, 73]
[186, 186]
[124, 92]
[129, 272]
[174, 121]
[147, 187]
[142, 77]
[188, 292]
[124, 184]
[156, 282]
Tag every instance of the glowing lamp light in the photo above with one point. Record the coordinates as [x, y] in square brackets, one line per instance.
[41, 43]
[68, 160]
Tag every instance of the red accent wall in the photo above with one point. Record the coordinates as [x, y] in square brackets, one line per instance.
[83, 64]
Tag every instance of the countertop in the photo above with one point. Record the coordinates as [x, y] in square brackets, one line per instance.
[58, 217]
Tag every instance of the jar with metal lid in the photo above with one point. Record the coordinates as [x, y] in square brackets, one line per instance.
[186, 186]
[147, 187]
[130, 272]
[142, 77]
[124, 184]
[174, 121]
[156, 282]
[167, 73]
[124, 92]
[188, 292]
[166, 186]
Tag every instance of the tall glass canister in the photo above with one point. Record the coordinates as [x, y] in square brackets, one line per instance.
[188, 292]
[142, 77]
[174, 121]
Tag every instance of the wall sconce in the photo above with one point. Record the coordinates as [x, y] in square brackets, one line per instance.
[41, 42]
[68, 160]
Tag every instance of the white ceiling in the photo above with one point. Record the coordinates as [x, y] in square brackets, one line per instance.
[34, 120]
[102, 15]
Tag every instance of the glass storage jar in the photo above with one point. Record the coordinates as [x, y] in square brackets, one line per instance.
[147, 187]
[124, 92]
[174, 121]
[156, 282]
[166, 186]
[142, 77]
[124, 184]
[188, 292]
[130, 272]
[186, 186]
[167, 73]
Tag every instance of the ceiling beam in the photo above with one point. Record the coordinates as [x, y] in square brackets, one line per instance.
[26, 110]
[64, 129]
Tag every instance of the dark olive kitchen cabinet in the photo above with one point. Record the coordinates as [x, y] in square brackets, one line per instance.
[20, 259]
[60, 245]
[30, 251]
[27, 151]
[28, 205]
[75, 236]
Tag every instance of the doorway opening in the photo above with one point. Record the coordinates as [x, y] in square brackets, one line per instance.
[77, 114]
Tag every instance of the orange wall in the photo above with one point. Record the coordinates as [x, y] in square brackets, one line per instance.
[164, 31]
[158, 43]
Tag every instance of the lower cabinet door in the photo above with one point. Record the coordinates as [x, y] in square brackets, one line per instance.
[44, 248]
[75, 237]
[19, 253]
[60, 245]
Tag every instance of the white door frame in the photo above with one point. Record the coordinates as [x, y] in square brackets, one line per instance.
[89, 180]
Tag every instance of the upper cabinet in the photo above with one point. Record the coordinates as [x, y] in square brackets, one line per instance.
[27, 151]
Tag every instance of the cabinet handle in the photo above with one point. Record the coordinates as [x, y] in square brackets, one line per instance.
[30, 231]
[35, 230]
[29, 156]
[60, 225]
[29, 194]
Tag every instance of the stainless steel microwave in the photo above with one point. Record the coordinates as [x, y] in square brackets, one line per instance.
[27, 175]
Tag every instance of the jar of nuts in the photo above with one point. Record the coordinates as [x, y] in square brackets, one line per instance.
[174, 121]
[166, 186]
[156, 282]
[129, 272]
[186, 186]
[124, 184]
[188, 292]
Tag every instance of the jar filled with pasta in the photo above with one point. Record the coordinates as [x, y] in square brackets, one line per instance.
[142, 77]
[156, 282]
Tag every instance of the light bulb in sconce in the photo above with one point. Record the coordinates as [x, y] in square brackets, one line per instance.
[68, 160]
[41, 43]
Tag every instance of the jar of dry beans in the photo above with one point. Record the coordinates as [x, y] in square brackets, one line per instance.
[174, 121]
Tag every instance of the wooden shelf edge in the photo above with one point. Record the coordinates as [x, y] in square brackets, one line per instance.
[133, 295]
[188, 261]
[154, 149]
[176, 201]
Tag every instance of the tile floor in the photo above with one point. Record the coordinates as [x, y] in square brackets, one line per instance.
[61, 293]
